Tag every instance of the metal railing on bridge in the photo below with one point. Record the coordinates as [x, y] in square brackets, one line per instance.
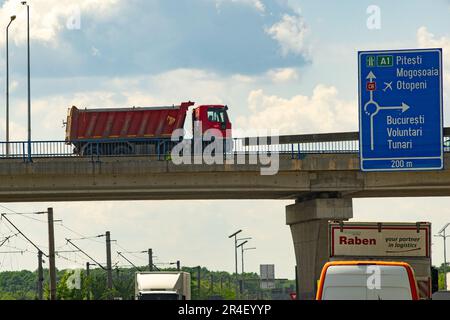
[297, 146]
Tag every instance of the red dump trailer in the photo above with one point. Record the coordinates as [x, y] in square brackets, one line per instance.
[119, 131]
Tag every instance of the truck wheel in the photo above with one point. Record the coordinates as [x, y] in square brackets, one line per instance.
[92, 150]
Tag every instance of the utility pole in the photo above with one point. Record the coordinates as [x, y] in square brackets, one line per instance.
[212, 284]
[235, 255]
[242, 259]
[150, 259]
[108, 261]
[40, 277]
[198, 280]
[241, 285]
[51, 254]
[88, 289]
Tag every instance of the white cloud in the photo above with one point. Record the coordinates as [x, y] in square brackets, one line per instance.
[17, 132]
[251, 107]
[243, 78]
[290, 33]
[283, 74]
[324, 111]
[48, 18]
[172, 87]
[426, 39]
[256, 4]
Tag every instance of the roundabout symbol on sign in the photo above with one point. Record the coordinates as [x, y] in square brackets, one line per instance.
[372, 108]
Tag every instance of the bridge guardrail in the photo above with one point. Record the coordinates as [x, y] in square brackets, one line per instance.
[295, 145]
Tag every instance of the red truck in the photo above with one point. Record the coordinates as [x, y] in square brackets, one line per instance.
[125, 131]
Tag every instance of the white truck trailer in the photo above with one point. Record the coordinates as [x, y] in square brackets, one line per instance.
[399, 242]
[163, 286]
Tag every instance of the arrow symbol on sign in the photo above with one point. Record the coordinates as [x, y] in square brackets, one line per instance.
[404, 107]
[371, 76]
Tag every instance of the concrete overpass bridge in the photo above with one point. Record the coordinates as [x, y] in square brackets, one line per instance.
[73, 179]
[320, 172]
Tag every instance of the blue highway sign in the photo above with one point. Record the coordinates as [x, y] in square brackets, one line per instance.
[400, 110]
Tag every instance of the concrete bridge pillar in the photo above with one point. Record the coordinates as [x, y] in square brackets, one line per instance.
[309, 226]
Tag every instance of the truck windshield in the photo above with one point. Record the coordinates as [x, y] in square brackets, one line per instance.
[216, 115]
[158, 296]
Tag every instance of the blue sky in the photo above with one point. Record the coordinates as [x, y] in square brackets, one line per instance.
[283, 64]
[157, 36]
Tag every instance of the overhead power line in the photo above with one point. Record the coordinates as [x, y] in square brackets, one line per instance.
[120, 254]
[89, 238]
[67, 251]
[23, 235]
[133, 253]
[13, 248]
[67, 259]
[12, 252]
[7, 238]
[24, 214]
[83, 237]
[87, 255]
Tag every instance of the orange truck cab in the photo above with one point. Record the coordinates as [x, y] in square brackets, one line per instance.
[367, 280]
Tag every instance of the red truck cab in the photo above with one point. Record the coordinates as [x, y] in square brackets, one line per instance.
[213, 117]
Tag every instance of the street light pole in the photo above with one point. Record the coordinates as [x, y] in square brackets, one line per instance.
[242, 256]
[7, 84]
[246, 249]
[242, 252]
[235, 248]
[444, 236]
[29, 81]
[235, 255]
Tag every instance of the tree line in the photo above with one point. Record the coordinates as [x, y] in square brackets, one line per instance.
[76, 285]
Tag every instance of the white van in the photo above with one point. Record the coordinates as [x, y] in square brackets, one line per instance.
[367, 280]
